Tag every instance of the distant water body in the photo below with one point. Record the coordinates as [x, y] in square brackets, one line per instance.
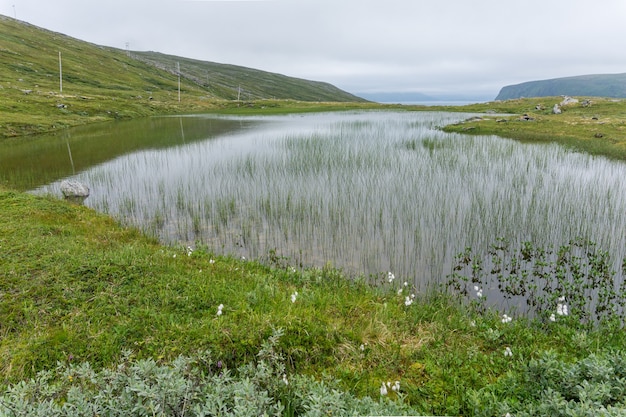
[435, 102]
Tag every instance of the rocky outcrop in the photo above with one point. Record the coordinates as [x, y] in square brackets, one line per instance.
[568, 100]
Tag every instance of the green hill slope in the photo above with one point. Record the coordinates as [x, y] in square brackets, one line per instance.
[601, 85]
[231, 82]
[101, 83]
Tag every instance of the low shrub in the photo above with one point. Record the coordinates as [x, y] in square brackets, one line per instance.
[595, 386]
[189, 386]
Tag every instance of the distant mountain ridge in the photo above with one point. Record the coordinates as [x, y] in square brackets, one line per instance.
[596, 85]
[409, 97]
[396, 97]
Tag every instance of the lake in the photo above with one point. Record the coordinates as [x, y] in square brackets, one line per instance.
[369, 192]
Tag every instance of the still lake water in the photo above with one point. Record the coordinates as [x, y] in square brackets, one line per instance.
[367, 192]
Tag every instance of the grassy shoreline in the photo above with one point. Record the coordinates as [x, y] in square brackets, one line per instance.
[598, 128]
[76, 286]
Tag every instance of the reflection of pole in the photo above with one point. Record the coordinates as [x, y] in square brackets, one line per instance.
[178, 66]
[182, 131]
[60, 74]
[69, 152]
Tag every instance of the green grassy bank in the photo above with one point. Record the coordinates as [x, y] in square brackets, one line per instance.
[77, 287]
[593, 125]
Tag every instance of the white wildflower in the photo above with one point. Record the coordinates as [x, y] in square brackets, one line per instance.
[472, 323]
[396, 386]
[406, 284]
[408, 301]
[507, 351]
[506, 319]
[561, 307]
[294, 296]
[219, 309]
[189, 250]
[211, 261]
[400, 291]
[390, 277]
[479, 291]
[552, 317]
[383, 389]
[362, 347]
[285, 379]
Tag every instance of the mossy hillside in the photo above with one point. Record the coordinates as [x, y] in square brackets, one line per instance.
[77, 286]
[98, 83]
[102, 83]
[232, 82]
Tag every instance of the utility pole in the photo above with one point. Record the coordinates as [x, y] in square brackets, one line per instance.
[60, 74]
[14, 12]
[178, 67]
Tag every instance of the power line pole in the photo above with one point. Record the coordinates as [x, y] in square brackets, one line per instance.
[14, 12]
[60, 74]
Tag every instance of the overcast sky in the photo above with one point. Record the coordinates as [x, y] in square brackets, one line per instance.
[436, 47]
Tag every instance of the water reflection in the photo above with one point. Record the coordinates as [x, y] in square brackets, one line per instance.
[30, 162]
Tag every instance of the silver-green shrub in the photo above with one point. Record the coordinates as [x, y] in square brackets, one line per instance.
[189, 386]
[594, 386]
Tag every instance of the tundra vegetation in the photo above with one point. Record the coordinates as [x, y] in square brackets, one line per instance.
[596, 126]
[96, 318]
[93, 312]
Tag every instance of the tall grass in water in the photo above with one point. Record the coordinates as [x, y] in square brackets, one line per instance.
[367, 192]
